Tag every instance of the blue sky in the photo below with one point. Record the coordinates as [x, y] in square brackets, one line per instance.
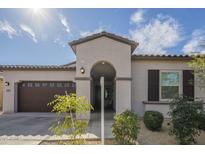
[41, 36]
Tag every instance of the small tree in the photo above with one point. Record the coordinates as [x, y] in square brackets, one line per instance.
[67, 107]
[198, 65]
[184, 119]
[126, 127]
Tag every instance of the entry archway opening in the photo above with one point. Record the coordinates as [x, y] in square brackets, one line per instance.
[106, 70]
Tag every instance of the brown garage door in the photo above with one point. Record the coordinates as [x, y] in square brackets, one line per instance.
[33, 96]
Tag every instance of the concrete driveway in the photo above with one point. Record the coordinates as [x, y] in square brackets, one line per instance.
[32, 128]
[25, 128]
[26, 124]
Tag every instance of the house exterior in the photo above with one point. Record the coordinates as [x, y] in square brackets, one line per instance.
[135, 82]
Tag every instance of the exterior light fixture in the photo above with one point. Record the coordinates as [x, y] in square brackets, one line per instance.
[103, 62]
[7, 83]
[82, 70]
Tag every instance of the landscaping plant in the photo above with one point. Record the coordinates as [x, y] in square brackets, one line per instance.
[198, 65]
[153, 120]
[184, 119]
[126, 127]
[67, 108]
[201, 121]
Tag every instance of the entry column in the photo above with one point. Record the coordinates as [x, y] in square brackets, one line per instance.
[123, 94]
[83, 89]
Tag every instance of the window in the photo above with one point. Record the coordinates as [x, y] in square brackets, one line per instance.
[66, 85]
[44, 84]
[73, 84]
[37, 84]
[52, 84]
[169, 84]
[30, 84]
[59, 85]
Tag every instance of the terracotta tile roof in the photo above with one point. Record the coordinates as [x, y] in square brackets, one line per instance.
[107, 34]
[71, 64]
[151, 55]
[159, 57]
[35, 67]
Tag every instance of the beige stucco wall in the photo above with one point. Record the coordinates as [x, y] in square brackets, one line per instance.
[115, 53]
[140, 83]
[82, 89]
[13, 77]
[163, 108]
[104, 49]
[123, 96]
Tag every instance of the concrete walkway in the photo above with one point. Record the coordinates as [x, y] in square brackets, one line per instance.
[32, 128]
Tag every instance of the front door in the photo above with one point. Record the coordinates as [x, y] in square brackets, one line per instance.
[97, 96]
[108, 98]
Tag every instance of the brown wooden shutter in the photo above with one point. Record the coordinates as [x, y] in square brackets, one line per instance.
[153, 85]
[188, 83]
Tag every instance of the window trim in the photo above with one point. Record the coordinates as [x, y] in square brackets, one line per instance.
[180, 83]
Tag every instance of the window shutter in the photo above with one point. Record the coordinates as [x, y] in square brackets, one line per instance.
[153, 85]
[188, 83]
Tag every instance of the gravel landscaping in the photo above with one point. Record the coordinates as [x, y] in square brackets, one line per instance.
[88, 142]
[162, 137]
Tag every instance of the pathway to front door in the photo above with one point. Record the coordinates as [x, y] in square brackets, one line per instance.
[95, 124]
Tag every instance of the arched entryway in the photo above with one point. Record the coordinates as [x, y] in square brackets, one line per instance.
[105, 69]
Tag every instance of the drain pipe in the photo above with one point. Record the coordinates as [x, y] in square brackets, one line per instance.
[102, 110]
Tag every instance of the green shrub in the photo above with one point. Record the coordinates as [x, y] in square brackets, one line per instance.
[184, 119]
[201, 121]
[153, 120]
[126, 127]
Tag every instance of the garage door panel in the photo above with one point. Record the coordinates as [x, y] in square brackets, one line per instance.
[33, 96]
